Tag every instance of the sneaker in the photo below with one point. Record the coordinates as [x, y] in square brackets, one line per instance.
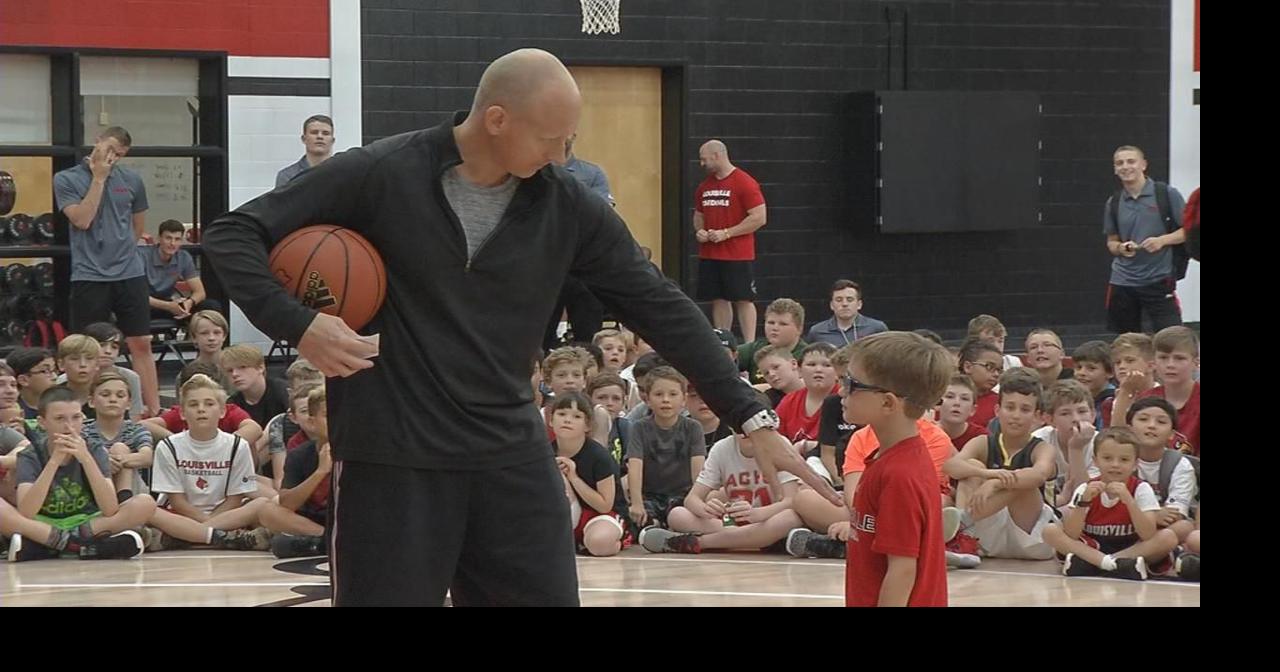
[257, 539]
[296, 546]
[963, 544]
[127, 544]
[21, 550]
[1188, 566]
[1074, 565]
[962, 560]
[803, 543]
[152, 539]
[950, 522]
[1134, 569]
[658, 540]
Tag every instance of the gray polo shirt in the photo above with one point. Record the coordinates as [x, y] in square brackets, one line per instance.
[291, 171]
[163, 275]
[828, 331]
[107, 251]
[1140, 220]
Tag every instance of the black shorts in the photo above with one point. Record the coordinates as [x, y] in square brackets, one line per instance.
[1157, 303]
[727, 280]
[657, 507]
[99, 301]
[403, 536]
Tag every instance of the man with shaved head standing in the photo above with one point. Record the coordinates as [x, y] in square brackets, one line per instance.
[728, 209]
[442, 476]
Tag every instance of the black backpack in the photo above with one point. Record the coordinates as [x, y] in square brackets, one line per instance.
[1171, 224]
[1168, 462]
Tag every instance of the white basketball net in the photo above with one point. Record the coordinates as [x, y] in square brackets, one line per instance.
[600, 16]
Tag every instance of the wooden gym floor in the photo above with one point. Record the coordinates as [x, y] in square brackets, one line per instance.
[633, 578]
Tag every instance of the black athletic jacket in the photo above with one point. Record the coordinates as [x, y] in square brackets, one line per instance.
[450, 389]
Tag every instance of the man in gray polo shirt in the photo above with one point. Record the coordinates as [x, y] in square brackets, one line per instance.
[317, 137]
[847, 323]
[105, 203]
[1142, 279]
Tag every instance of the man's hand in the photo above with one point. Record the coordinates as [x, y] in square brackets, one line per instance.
[103, 158]
[775, 453]
[335, 348]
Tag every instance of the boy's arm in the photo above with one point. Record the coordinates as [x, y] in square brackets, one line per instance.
[249, 431]
[178, 504]
[1073, 523]
[31, 496]
[635, 487]
[789, 490]
[1041, 470]
[851, 487]
[695, 466]
[277, 471]
[959, 468]
[899, 579]
[141, 459]
[696, 501]
[594, 495]
[231, 503]
[1144, 509]
[156, 426]
[600, 425]
[293, 498]
[104, 491]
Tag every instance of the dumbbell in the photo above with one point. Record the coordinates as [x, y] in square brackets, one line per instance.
[19, 228]
[44, 225]
[16, 278]
[16, 330]
[42, 278]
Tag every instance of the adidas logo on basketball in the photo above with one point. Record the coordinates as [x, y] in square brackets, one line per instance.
[317, 294]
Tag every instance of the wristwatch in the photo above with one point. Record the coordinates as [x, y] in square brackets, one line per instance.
[765, 419]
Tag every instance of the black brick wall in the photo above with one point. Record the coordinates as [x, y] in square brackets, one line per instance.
[770, 77]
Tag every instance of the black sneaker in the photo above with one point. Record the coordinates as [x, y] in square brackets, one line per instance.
[658, 540]
[1074, 565]
[21, 550]
[804, 543]
[1134, 569]
[1188, 566]
[297, 546]
[127, 544]
[257, 539]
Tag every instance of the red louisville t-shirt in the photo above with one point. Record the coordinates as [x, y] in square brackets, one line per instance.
[724, 203]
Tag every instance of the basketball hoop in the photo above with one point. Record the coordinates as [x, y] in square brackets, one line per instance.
[600, 16]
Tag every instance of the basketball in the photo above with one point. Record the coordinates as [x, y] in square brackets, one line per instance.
[333, 270]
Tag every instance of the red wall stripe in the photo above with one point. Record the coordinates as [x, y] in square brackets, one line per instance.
[238, 27]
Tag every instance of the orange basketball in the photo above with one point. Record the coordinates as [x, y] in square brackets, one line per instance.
[333, 270]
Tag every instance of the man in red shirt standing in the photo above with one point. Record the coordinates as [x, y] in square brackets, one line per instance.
[728, 209]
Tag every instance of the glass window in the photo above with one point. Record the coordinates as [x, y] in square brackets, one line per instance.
[25, 119]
